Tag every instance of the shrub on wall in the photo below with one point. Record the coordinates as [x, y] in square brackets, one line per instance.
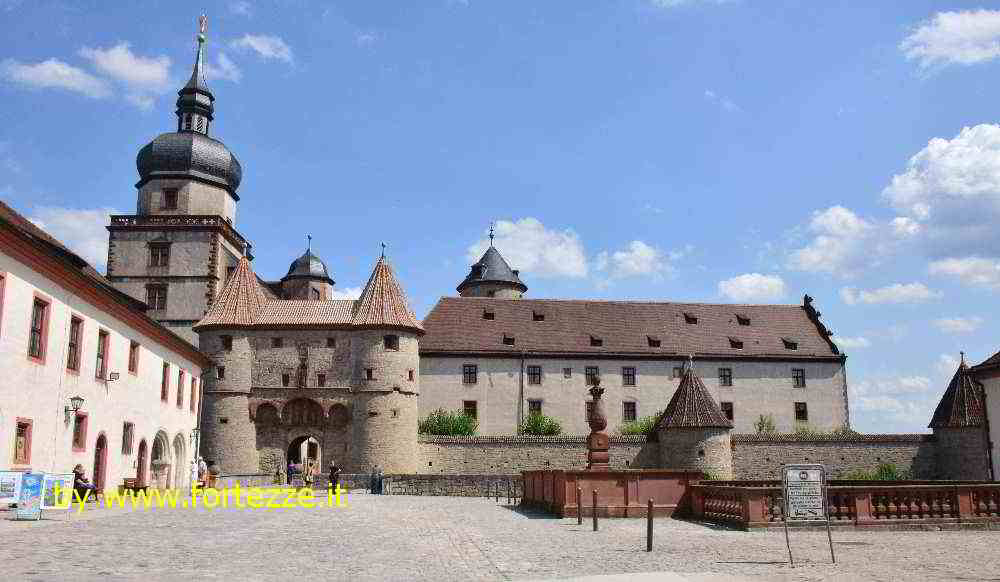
[884, 472]
[765, 424]
[445, 423]
[540, 425]
[640, 426]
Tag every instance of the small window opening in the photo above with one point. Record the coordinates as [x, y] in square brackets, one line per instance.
[489, 315]
[535, 316]
[369, 374]
[743, 319]
[735, 343]
[652, 341]
[321, 380]
[690, 319]
[391, 342]
[790, 344]
[286, 379]
[596, 341]
[508, 340]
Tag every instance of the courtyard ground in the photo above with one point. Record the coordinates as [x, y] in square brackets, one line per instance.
[446, 538]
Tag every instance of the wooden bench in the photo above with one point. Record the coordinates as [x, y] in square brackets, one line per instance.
[132, 484]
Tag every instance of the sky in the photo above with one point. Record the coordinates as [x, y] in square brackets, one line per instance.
[744, 151]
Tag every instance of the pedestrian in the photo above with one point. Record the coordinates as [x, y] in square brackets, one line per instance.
[380, 481]
[291, 471]
[372, 480]
[194, 473]
[202, 469]
[334, 475]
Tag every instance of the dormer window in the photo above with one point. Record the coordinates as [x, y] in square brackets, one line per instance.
[654, 342]
[596, 342]
[690, 319]
[742, 319]
[735, 343]
[790, 344]
[489, 315]
[508, 340]
[535, 316]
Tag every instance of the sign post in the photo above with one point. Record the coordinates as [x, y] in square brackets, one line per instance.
[804, 488]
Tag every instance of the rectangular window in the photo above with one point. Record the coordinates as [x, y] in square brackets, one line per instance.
[536, 316]
[801, 412]
[133, 357]
[22, 442]
[727, 409]
[678, 371]
[314, 293]
[391, 342]
[735, 343]
[220, 372]
[227, 342]
[508, 340]
[591, 375]
[799, 377]
[369, 373]
[410, 374]
[156, 296]
[534, 407]
[170, 198]
[159, 255]
[80, 432]
[39, 329]
[180, 389]
[73, 350]
[165, 382]
[690, 319]
[286, 379]
[790, 344]
[534, 374]
[331, 342]
[628, 412]
[596, 342]
[567, 372]
[743, 319]
[277, 342]
[321, 380]
[470, 409]
[725, 376]
[628, 376]
[194, 395]
[127, 432]
[470, 374]
[101, 364]
[652, 341]
[489, 315]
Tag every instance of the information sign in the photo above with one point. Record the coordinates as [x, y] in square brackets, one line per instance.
[804, 489]
[29, 503]
[10, 486]
[64, 481]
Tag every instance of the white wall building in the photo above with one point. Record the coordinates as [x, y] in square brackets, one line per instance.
[65, 332]
[988, 374]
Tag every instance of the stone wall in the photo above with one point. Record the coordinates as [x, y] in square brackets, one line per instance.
[454, 485]
[961, 453]
[761, 456]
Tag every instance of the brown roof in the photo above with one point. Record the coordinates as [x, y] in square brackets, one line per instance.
[990, 362]
[457, 324]
[692, 406]
[245, 303]
[960, 405]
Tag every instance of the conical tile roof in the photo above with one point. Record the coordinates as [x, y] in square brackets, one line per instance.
[383, 303]
[961, 405]
[692, 406]
[239, 303]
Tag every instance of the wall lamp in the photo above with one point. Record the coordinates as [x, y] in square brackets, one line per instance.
[75, 403]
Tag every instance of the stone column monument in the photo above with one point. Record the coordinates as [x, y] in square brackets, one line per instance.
[597, 441]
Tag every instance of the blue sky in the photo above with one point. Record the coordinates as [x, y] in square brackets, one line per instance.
[716, 151]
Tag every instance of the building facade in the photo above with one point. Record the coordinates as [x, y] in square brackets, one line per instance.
[68, 338]
[987, 373]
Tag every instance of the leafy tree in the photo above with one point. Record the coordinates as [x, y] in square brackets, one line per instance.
[445, 423]
[537, 424]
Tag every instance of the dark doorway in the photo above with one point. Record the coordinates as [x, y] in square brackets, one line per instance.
[100, 461]
[140, 470]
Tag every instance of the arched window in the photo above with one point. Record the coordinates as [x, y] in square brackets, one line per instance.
[303, 412]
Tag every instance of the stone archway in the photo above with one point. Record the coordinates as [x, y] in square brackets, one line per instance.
[304, 453]
[179, 463]
[160, 461]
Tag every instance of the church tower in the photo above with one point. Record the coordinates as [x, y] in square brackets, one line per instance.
[177, 250]
[491, 276]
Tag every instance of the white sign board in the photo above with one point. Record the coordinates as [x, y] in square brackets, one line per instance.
[805, 499]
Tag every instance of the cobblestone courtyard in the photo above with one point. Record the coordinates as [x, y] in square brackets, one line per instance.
[440, 538]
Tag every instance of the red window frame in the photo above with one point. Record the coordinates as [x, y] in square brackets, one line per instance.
[43, 340]
[83, 418]
[194, 394]
[27, 441]
[101, 355]
[165, 383]
[73, 359]
[180, 388]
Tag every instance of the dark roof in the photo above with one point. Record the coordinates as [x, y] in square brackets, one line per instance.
[457, 325]
[308, 266]
[692, 406]
[990, 362]
[492, 268]
[961, 405]
[189, 154]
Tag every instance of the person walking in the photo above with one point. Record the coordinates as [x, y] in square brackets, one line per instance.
[334, 475]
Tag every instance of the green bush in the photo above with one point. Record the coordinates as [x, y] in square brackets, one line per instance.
[765, 424]
[640, 426]
[443, 422]
[884, 472]
[540, 425]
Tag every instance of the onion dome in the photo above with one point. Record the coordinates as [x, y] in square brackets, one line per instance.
[190, 152]
[692, 406]
[308, 266]
[961, 405]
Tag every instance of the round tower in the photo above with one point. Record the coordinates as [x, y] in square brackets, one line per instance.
[307, 278]
[228, 436]
[491, 276]
[693, 432]
[959, 426]
[385, 376]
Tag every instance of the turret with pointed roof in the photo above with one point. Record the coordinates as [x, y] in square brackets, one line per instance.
[961, 404]
[491, 276]
[383, 304]
[959, 423]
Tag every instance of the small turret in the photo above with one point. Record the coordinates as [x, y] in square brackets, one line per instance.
[959, 427]
[491, 276]
[307, 278]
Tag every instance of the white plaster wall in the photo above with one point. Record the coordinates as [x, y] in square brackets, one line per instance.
[758, 388]
[40, 391]
[992, 386]
[192, 198]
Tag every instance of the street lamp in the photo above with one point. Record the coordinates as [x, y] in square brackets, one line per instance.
[195, 433]
[75, 403]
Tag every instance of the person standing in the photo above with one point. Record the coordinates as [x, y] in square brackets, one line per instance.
[194, 473]
[373, 480]
[379, 481]
[334, 475]
[202, 469]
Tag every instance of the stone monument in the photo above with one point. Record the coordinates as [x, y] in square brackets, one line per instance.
[597, 442]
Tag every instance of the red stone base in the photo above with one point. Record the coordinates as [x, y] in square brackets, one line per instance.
[619, 493]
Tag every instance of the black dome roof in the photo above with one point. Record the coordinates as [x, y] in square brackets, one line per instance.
[492, 268]
[189, 154]
[308, 266]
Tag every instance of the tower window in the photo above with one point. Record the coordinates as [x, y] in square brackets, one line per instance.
[592, 375]
[735, 343]
[156, 296]
[470, 373]
[725, 376]
[277, 342]
[790, 344]
[628, 412]
[742, 320]
[321, 380]
[508, 340]
[286, 379]
[170, 198]
[727, 409]
[690, 319]
[187, 121]
[535, 316]
[628, 376]
[410, 375]
[369, 374]
[596, 341]
[201, 124]
[159, 254]
[799, 377]
[489, 315]
[801, 412]
[331, 342]
[653, 341]
[314, 293]
[227, 342]
[220, 372]
[534, 374]
[491, 293]
[391, 342]
[229, 272]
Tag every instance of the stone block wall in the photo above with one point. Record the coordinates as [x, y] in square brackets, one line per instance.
[961, 453]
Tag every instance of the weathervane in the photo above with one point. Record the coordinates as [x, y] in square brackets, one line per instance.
[202, 27]
[383, 250]
[491, 233]
[309, 244]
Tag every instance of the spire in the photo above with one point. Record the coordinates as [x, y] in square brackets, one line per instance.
[692, 406]
[239, 303]
[309, 243]
[195, 107]
[960, 405]
[383, 302]
[491, 234]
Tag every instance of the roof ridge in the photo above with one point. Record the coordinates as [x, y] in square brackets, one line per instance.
[629, 301]
[240, 301]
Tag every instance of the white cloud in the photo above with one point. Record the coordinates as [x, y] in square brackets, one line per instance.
[529, 246]
[119, 62]
[975, 271]
[958, 324]
[895, 294]
[636, 260]
[80, 229]
[844, 243]
[906, 401]
[848, 343]
[962, 38]
[346, 293]
[721, 101]
[946, 365]
[241, 8]
[753, 288]
[266, 46]
[55, 74]
[223, 68]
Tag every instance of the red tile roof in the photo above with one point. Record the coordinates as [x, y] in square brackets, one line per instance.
[457, 324]
[692, 406]
[245, 303]
[990, 362]
[960, 406]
